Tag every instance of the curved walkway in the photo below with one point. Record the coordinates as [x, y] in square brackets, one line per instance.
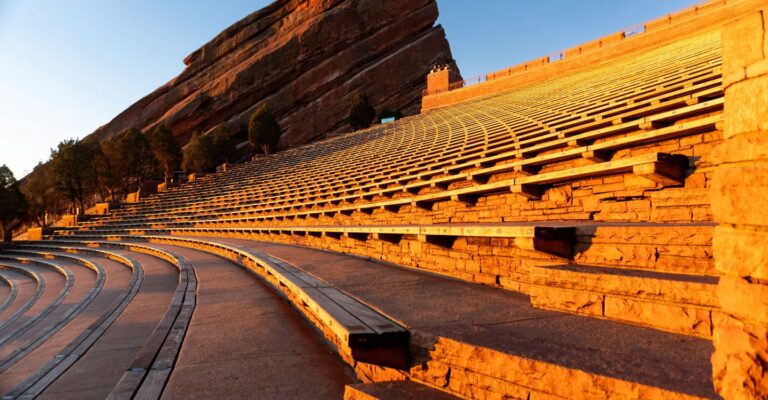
[244, 341]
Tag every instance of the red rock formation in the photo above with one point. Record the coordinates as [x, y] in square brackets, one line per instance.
[305, 58]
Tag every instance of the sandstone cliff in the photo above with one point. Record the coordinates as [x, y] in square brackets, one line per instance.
[305, 58]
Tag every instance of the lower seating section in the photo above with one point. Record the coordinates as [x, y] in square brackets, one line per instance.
[664, 259]
[491, 343]
[108, 320]
[549, 242]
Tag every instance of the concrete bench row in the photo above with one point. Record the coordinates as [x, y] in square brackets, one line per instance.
[557, 239]
[359, 332]
[702, 87]
[657, 124]
[154, 362]
[32, 371]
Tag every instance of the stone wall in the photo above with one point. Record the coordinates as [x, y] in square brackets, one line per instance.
[739, 194]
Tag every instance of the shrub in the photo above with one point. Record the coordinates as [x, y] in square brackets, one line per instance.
[263, 129]
[361, 113]
[166, 150]
[199, 154]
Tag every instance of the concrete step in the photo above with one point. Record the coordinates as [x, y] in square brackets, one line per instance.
[402, 390]
[478, 342]
[671, 302]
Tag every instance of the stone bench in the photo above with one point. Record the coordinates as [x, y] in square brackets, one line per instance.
[151, 366]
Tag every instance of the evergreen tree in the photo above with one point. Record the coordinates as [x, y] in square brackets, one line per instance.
[72, 166]
[13, 206]
[166, 150]
[107, 162]
[263, 129]
[38, 190]
[199, 154]
[133, 158]
[224, 145]
[361, 113]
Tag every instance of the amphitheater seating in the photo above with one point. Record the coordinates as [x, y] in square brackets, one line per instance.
[541, 228]
[429, 157]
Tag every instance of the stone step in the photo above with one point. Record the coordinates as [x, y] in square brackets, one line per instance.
[671, 302]
[403, 390]
[479, 342]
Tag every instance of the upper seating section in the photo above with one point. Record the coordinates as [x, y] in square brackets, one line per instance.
[591, 124]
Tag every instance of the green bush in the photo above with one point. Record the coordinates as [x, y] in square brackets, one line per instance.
[361, 113]
[199, 154]
[166, 150]
[263, 129]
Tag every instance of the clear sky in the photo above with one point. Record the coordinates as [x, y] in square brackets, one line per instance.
[69, 66]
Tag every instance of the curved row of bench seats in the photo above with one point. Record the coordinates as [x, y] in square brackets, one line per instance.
[277, 184]
[359, 333]
[152, 365]
[50, 332]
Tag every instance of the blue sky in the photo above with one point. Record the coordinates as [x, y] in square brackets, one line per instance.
[67, 67]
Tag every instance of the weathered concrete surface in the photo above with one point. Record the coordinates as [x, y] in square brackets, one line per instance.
[246, 342]
[473, 331]
[26, 287]
[306, 59]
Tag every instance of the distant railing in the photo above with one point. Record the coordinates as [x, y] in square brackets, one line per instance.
[556, 56]
[468, 82]
[702, 7]
[634, 30]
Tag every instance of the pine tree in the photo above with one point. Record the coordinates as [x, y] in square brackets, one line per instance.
[263, 129]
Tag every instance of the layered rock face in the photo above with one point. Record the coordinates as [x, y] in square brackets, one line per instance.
[306, 59]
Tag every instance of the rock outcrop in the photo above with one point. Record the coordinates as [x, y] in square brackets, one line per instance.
[305, 58]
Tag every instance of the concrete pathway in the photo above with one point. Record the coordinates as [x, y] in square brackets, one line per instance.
[505, 321]
[246, 342]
